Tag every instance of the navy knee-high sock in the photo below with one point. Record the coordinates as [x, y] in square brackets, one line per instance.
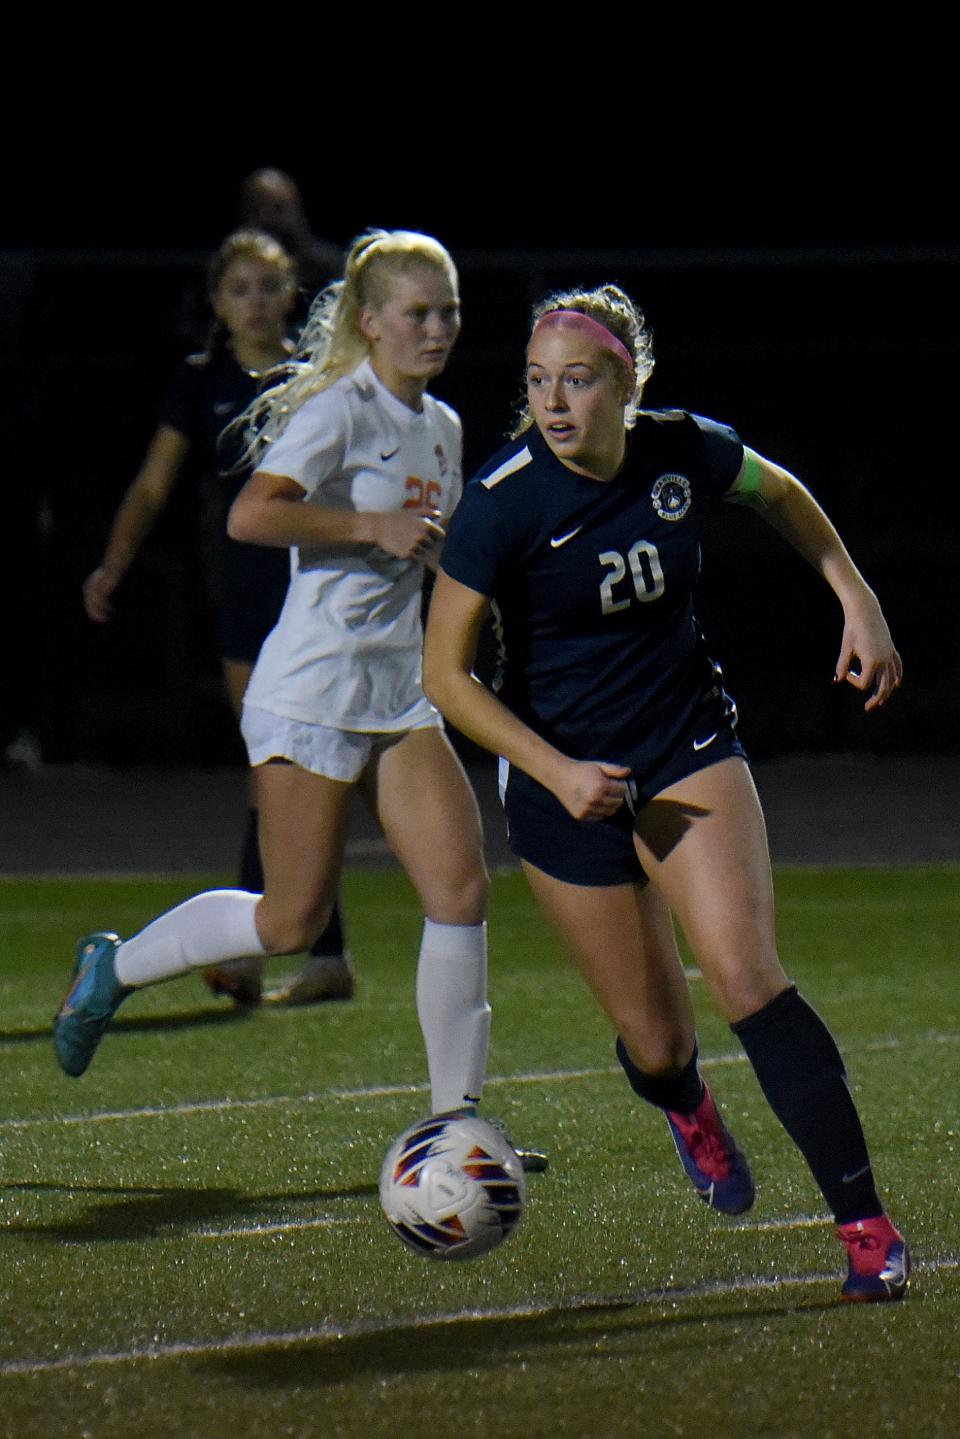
[251, 870]
[801, 1072]
[331, 942]
[682, 1092]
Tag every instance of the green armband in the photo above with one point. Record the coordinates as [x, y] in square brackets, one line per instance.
[750, 479]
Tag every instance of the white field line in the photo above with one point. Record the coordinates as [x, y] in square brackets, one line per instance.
[272, 1101]
[391, 1091]
[258, 1231]
[329, 1221]
[764, 1226]
[332, 1332]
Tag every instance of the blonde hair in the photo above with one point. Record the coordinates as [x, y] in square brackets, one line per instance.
[613, 308]
[244, 245]
[332, 344]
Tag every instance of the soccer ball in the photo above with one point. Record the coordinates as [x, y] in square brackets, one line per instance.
[452, 1187]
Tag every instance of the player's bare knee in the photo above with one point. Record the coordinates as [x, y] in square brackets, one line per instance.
[290, 932]
[470, 897]
[476, 891]
[747, 999]
[658, 1055]
[459, 898]
[744, 992]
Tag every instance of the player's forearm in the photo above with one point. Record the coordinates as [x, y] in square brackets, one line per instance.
[132, 523]
[145, 499]
[796, 515]
[283, 524]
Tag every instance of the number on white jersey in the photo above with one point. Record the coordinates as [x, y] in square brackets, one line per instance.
[422, 494]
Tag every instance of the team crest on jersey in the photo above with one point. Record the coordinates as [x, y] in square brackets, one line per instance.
[441, 459]
[671, 496]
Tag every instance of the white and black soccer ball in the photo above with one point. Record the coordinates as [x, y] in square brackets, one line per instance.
[452, 1187]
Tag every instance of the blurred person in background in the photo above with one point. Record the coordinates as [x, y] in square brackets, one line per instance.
[270, 200]
[251, 291]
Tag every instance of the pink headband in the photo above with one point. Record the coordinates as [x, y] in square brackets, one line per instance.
[576, 320]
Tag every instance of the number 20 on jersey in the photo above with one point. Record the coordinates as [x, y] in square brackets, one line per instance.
[645, 573]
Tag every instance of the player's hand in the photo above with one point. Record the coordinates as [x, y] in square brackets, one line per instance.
[868, 658]
[408, 534]
[98, 591]
[591, 789]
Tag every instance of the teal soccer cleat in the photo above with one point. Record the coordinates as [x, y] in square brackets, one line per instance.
[90, 1003]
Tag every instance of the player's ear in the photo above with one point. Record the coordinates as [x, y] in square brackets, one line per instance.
[367, 322]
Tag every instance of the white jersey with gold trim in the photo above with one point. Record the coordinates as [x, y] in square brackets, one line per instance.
[346, 650]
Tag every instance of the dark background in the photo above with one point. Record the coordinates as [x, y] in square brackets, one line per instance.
[812, 306]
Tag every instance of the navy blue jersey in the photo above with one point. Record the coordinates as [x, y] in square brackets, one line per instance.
[206, 393]
[592, 582]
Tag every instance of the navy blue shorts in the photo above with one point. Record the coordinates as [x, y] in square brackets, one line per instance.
[601, 852]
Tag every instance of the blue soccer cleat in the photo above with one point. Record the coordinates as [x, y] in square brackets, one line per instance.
[90, 1003]
[715, 1164]
[879, 1261]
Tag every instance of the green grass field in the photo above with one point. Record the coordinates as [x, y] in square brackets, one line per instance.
[193, 1245]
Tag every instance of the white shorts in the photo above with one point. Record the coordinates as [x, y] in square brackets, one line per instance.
[340, 754]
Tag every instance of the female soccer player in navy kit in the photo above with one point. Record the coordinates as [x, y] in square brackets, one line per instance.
[627, 794]
[251, 289]
[359, 469]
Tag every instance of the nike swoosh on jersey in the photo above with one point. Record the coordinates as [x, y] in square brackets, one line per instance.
[389, 454]
[699, 744]
[562, 539]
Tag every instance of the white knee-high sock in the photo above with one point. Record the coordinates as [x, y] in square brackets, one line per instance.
[453, 1011]
[210, 927]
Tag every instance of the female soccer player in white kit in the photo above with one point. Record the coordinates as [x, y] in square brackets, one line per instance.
[359, 468]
